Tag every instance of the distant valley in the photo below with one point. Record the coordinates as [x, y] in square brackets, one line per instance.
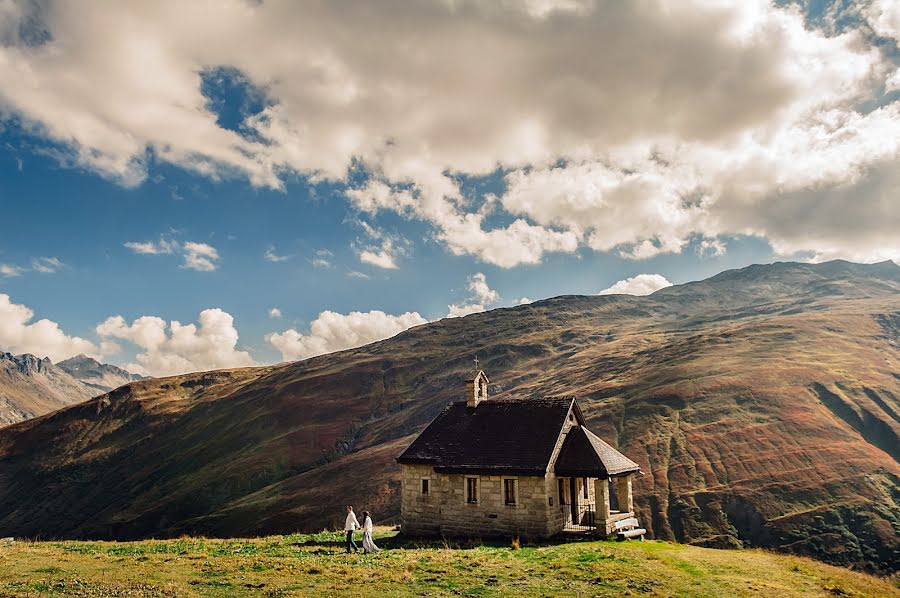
[31, 386]
[762, 404]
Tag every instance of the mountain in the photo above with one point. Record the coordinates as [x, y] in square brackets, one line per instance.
[30, 386]
[762, 404]
[101, 376]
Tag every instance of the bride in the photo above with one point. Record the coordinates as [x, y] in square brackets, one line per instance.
[368, 544]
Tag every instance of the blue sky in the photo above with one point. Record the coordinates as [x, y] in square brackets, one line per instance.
[318, 159]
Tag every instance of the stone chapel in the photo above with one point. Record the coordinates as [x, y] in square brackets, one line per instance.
[527, 467]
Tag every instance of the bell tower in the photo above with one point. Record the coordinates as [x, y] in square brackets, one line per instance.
[476, 388]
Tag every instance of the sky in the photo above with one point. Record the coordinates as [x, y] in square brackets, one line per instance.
[190, 186]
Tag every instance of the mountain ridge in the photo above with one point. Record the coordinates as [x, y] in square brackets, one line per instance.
[737, 410]
[31, 386]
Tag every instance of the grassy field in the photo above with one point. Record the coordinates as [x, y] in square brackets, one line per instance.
[316, 565]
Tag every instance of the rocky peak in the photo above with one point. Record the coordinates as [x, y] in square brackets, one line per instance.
[27, 363]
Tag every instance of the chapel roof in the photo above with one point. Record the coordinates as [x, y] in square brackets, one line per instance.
[513, 436]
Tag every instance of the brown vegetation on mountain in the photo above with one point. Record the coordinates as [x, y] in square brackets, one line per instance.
[763, 406]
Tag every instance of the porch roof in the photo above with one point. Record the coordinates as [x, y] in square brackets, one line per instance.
[583, 453]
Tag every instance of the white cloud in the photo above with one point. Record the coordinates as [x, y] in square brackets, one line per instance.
[385, 251]
[382, 257]
[322, 259]
[455, 310]
[642, 284]
[197, 256]
[175, 348]
[271, 255]
[523, 301]
[46, 265]
[274, 313]
[332, 331]
[711, 247]
[164, 246]
[43, 338]
[884, 18]
[480, 289]
[200, 256]
[893, 82]
[481, 295]
[9, 270]
[43, 265]
[727, 118]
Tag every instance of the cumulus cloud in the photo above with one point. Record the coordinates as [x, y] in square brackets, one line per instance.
[456, 310]
[723, 118]
[332, 331]
[43, 338]
[524, 301]
[884, 18]
[481, 295]
[381, 257]
[174, 348]
[382, 250]
[479, 287]
[642, 284]
[197, 256]
[274, 313]
[200, 256]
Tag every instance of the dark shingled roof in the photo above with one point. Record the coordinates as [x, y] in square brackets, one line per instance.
[583, 453]
[512, 436]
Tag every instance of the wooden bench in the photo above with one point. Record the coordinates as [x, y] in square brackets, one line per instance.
[628, 528]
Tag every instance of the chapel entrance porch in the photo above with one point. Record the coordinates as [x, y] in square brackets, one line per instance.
[594, 505]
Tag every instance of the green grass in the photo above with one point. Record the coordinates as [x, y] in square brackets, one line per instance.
[316, 565]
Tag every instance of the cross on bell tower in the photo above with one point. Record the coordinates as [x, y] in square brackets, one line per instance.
[476, 387]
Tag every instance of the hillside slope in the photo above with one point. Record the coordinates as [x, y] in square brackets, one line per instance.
[30, 386]
[763, 406]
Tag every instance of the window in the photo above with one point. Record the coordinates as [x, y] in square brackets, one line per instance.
[472, 490]
[425, 486]
[510, 491]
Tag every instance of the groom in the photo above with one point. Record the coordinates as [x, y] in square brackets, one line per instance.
[350, 525]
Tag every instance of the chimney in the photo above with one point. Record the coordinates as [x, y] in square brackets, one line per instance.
[476, 389]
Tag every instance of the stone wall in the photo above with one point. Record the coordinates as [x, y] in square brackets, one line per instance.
[556, 516]
[420, 514]
[445, 511]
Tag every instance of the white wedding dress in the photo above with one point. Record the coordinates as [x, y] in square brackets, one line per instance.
[368, 544]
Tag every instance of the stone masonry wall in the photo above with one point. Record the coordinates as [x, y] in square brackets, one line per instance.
[420, 514]
[444, 511]
[490, 516]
